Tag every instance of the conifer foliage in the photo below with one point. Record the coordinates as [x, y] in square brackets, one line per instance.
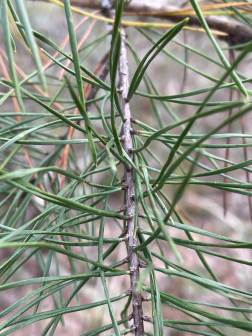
[125, 196]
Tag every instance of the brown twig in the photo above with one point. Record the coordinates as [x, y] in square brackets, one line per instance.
[134, 262]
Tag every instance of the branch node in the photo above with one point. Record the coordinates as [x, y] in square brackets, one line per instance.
[133, 327]
[132, 131]
[135, 304]
[132, 196]
[132, 270]
[146, 318]
[142, 264]
[125, 260]
[144, 298]
[123, 208]
[125, 230]
[128, 292]
[139, 230]
[130, 317]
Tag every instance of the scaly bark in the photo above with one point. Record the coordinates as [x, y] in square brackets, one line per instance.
[134, 262]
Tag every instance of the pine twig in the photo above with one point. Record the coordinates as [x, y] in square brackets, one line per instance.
[134, 262]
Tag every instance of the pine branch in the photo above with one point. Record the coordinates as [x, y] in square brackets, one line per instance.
[134, 262]
[237, 33]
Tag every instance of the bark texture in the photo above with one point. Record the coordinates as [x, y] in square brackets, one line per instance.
[129, 175]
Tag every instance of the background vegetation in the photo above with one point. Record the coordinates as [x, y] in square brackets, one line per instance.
[69, 247]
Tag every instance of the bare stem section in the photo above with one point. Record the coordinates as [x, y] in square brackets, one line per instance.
[134, 262]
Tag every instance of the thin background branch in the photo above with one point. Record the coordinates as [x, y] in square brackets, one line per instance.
[237, 33]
